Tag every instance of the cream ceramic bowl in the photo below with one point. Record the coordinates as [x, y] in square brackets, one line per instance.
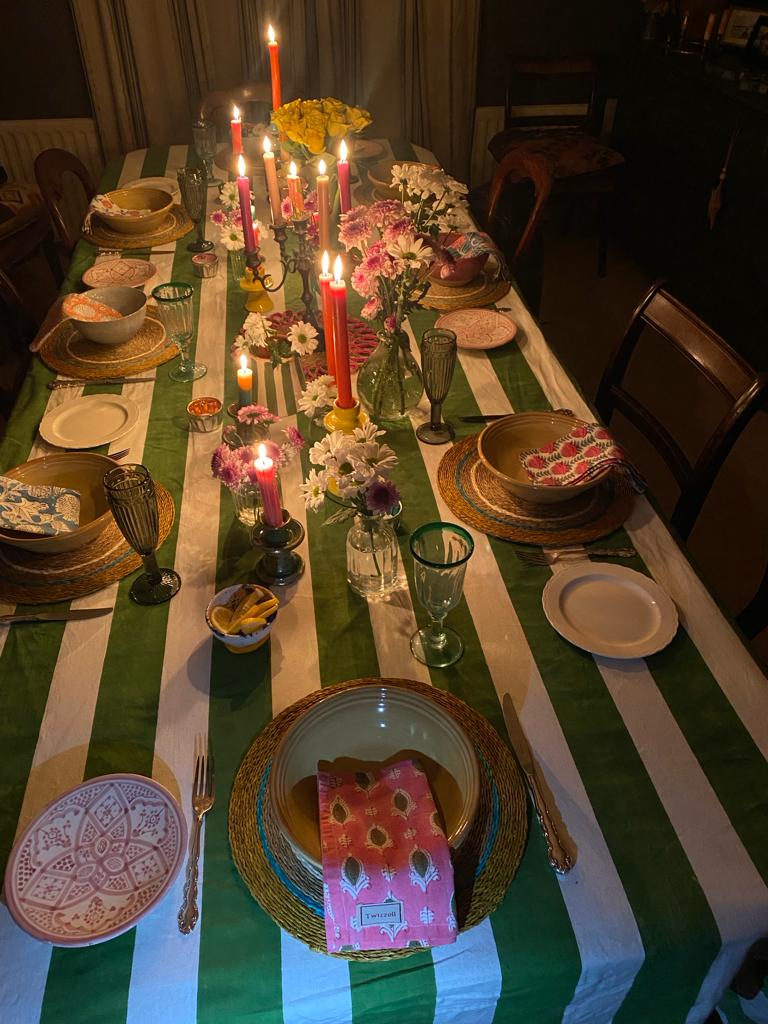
[235, 642]
[159, 204]
[131, 302]
[500, 444]
[362, 727]
[84, 473]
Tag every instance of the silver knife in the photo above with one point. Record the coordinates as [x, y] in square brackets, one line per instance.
[79, 382]
[485, 419]
[74, 613]
[557, 855]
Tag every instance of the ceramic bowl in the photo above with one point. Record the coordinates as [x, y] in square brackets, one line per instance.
[500, 444]
[235, 643]
[380, 176]
[84, 473]
[131, 302]
[462, 271]
[159, 204]
[362, 727]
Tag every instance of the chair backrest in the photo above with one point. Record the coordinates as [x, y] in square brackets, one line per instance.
[24, 239]
[217, 106]
[552, 93]
[520, 165]
[737, 386]
[54, 170]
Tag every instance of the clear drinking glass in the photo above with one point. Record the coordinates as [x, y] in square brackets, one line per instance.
[130, 492]
[438, 360]
[194, 191]
[174, 303]
[440, 552]
[204, 138]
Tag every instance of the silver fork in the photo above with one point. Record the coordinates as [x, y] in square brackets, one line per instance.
[203, 796]
[544, 557]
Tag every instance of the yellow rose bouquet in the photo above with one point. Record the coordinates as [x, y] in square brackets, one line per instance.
[313, 128]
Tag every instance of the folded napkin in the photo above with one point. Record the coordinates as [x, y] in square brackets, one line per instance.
[586, 450]
[83, 307]
[38, 508]
[102, 204]
[467, 246]
[387, 872]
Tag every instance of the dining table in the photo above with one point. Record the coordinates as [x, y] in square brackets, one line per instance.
[657, 766]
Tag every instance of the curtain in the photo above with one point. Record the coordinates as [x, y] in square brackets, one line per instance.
[412, 63]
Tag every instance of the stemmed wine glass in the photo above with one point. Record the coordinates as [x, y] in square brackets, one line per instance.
[174, 303]
[440, 552]
[204, 138]
[194, 191]
[438, 360]
[130, 492]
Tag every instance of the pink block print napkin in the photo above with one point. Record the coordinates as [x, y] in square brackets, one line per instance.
[387, 872]
[586, 450]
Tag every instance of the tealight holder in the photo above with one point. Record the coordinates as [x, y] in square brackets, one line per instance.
[278, 564]
[205, 264]
[204, 414]
[346, 420]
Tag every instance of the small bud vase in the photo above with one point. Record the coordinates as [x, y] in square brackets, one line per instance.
[389, 383]
[372, 557]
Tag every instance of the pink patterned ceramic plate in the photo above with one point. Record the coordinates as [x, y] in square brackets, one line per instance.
[130, 273]
[478, 328]
[96, 860]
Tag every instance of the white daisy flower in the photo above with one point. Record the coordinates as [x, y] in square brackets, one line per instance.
[232, 238]
[303, 338]
[229, 196]
[409, 251]
[256, 330]
[318, 394]
[313, 489]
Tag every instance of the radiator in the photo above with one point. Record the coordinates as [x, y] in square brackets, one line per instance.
[488, 121]
[21, 141]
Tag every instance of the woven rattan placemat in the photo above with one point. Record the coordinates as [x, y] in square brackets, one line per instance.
[176, 225]
[483, 291]
[67, 352]
[484, 865]
[29, 578]
[477, 498]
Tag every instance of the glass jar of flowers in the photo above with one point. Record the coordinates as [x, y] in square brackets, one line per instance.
[354, 469]
[233, 465]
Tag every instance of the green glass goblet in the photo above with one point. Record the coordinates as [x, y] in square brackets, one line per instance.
[174, 304]
[438, 361]
[440, 555]
[130, 492]
[193, 185]
[204, 138]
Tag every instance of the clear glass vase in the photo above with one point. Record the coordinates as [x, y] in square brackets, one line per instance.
[389, 384]
[372, 557]
[247, 502]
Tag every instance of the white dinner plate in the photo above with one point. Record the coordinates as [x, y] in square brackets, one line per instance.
[90, 420]
[165, 184]
[610, 610]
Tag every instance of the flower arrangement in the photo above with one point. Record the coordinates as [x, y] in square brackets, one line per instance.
[228, 220]
[258, 332]
[232, 463]
[356, 468]
[317, 395]
[311, 126]
[433, 199]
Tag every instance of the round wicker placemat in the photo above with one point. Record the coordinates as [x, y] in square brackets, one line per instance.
[484, 865]
[27, 578]
[483, 291]
[69, 353]
[477, 498]
[176, 225]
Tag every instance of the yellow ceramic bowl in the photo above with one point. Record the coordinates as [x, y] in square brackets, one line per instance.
[153, 199]
[83, 472]
[499, 448]
[236, 642]
[357, 729]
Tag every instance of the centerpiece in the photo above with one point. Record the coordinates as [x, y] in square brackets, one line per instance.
[310, 128]
[258, 337]
[233, 461]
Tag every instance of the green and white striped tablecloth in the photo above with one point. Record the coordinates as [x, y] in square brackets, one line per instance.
[658, 767]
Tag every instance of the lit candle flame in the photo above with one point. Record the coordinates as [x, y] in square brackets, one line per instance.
[325, 262]
[263, 461]
[235, 113]
[241, 166]
[271, 34]
[243, 362]
[292, 172]
[337, 270]
[267, 144]
[321, 167]
[343, 151]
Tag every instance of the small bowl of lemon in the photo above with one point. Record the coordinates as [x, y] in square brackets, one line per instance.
[242, 616]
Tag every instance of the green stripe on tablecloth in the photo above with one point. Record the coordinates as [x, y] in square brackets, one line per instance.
[123, 733]
[670, 908]
[290, 398]
[239, 708]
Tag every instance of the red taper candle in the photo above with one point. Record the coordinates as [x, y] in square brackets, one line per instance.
[274, 68]
[236, 130]
[325, 294]
[244, 191]
[266, 478]
[338, 289]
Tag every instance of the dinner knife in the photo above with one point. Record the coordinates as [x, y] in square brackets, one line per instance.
[485, 419]
[557, 855]
[79, 382]
[73, 613]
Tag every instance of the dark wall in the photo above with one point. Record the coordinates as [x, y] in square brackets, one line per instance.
[552, 28]
[42, 75]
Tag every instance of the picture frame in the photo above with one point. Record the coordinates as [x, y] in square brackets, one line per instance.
[757, 45]
[740, 24]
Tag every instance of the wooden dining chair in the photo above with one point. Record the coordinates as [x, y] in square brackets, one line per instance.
[249, 97]
[55, 170]
[741, 390]
[516, 167]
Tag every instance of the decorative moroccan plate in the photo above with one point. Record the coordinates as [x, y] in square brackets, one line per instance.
[127, 273]
[96, 860]
[478, 328]
[67, 352]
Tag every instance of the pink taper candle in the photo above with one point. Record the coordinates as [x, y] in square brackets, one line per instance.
[341, 338]
[294, 190]
[274, 67]
[342, 169]
[266, 477]
[273, 189]
[236, 130]
[244, 191]
[323, 206]
[325, 294]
